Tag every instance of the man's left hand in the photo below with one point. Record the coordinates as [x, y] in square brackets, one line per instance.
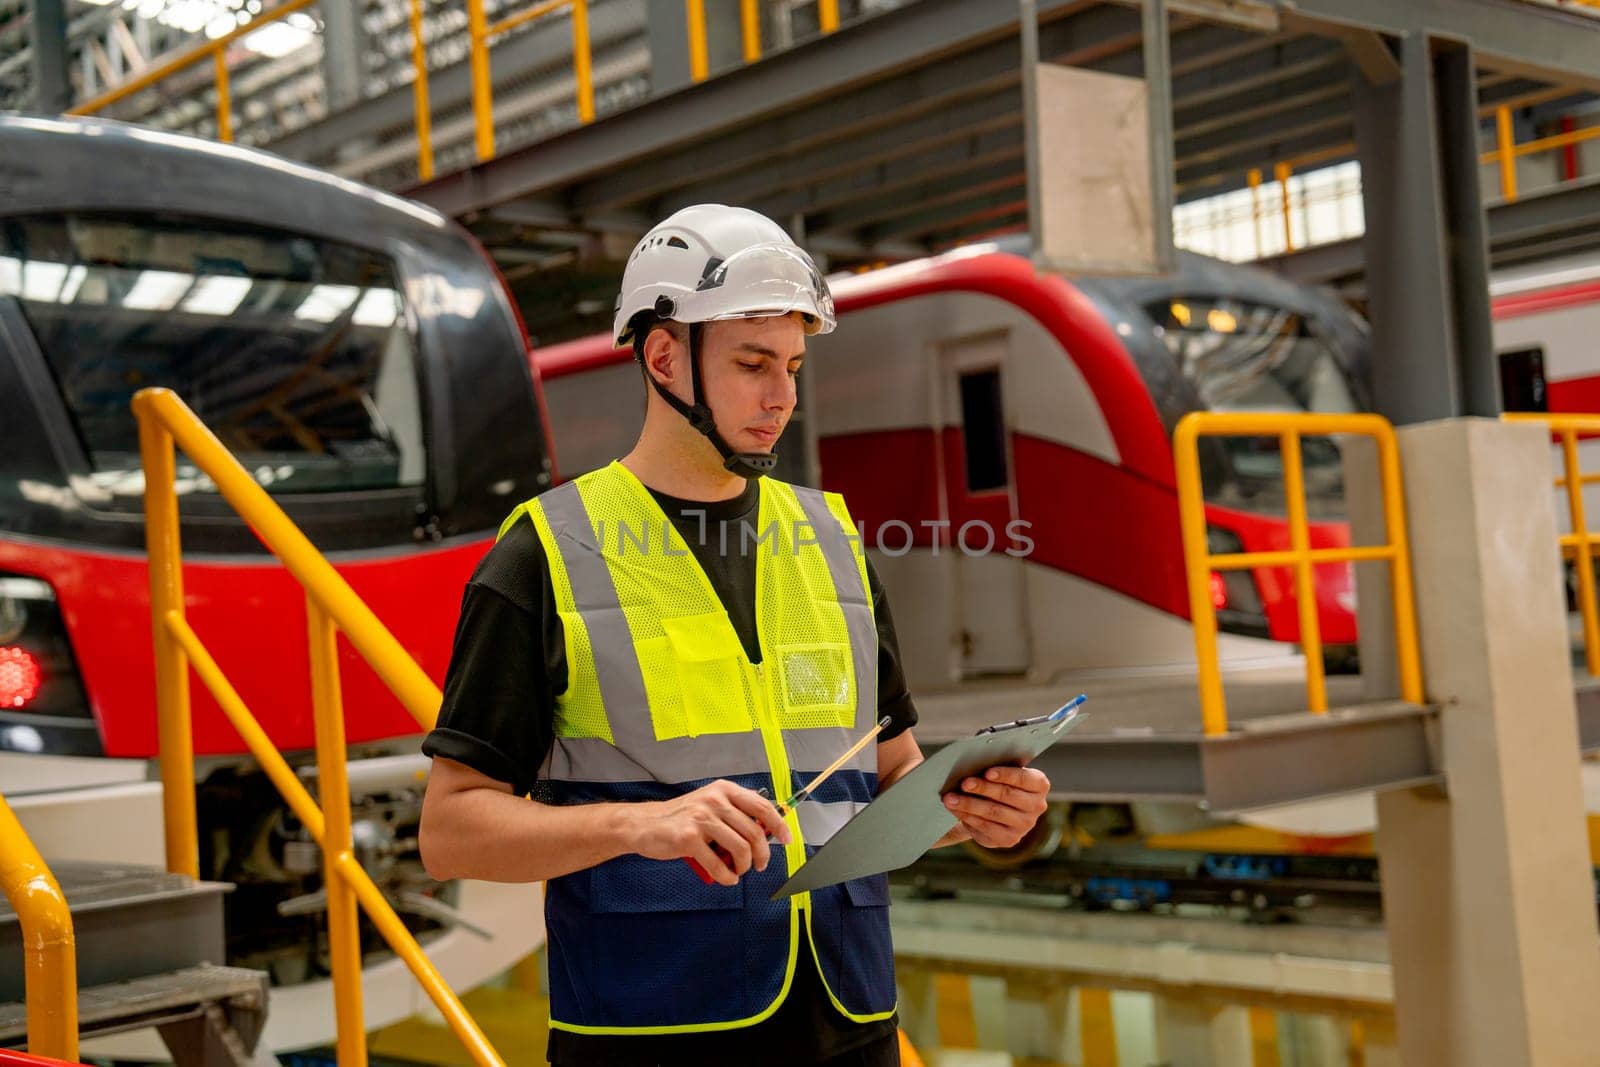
[997, 809]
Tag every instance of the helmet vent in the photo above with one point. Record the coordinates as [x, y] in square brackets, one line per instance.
[677, 242]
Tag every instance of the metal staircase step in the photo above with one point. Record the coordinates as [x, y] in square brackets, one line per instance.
[129, 921]
[206, 1014]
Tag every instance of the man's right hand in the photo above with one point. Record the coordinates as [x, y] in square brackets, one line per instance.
[695, 825]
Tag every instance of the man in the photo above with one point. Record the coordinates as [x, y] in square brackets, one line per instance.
[657, 652]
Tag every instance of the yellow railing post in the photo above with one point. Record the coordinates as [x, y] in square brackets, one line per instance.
[1281, 172]
[1585, 560]
[1254, 178]
[1507, 153]
[172, 668]
[1294, 479]
[1580, 541]
[1391, 480]
[699, 63]
[828, 15]
[224, 98]
[333, 789]
[423, 117]
[1202, 612]
[330, 606]
[582, 60]
[482, 91]
[50, 959]
[1199, 562]
[750, 29]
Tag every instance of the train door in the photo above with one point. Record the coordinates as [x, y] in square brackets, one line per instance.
[990, 627]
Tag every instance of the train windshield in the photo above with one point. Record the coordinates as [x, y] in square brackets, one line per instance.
[1254, 357]
[294, 350]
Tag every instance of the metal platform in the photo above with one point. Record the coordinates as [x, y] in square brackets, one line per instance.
[1141, 739]
[149, 948]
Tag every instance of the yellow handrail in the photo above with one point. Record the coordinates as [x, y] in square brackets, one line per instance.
[1199, 562]
[50, 959]
[479, 32]
[1580, 542]
[1507, 149]
[331, 606]
[217, 49]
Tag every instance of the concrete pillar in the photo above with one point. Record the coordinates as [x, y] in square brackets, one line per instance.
[1488, 893]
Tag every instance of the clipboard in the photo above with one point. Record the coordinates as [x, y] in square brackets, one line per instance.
[903, 823]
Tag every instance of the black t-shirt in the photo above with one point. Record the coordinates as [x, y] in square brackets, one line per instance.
[508, 663]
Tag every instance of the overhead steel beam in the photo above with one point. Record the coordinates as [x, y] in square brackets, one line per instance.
[865, 52]
[982, 77]
[937, 165]
[949, 188]
[1534, 40]
[806, 179]
[1264, 143]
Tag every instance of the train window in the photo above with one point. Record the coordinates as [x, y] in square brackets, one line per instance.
[983, 430]
[1255, 357]
[294, 350]
[1522, 382]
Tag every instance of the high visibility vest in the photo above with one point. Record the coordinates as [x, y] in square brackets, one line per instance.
[661, 699]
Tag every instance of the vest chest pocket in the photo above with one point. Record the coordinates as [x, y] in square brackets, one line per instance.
[818, 690]
[705, 655]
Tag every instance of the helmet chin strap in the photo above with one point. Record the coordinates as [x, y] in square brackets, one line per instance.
[744, 464]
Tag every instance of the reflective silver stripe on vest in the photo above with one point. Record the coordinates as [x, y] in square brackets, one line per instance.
[637, 755]
[812, 750]
[819, 822]
[853, 599]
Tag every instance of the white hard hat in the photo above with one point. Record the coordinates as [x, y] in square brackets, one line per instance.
[711, 261]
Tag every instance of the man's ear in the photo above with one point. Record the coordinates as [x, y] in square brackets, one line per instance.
[660, 350]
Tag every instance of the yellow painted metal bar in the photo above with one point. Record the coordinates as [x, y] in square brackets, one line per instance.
[174, 732]
[405, 946]
[1408, 655]
[1238, 561]
[583, 60]
[1202, 613]
[537, 11]
[224, 98]
[333, 787]
[750, 29]
[1199, 563]
[1357, 1056]
[186, 59]
[1281, 173]
[699, 63]
[1097, 1028]
[1585, 560]
[482, 90]
[255, 738]
[1508, 158]
[1294, 481]
[1546, 144]
[370, 637]
[828, 15]
[422, 112]
[1254, 179]
[1264, 1038]
[50, 956]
